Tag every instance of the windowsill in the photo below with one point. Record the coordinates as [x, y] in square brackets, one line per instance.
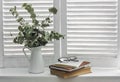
[22, 75]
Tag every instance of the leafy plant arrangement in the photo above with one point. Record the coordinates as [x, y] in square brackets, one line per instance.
[34, 35]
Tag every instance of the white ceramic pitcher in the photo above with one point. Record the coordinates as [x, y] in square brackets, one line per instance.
[36, 60]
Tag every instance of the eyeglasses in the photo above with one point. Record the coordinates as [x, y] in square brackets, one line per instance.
[67, 59]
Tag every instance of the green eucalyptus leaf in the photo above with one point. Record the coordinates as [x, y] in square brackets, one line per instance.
[24, 4]
[47, 19]
[20, 28]
[19, 19]
[53, 10]
[21, 39]
[15, 40]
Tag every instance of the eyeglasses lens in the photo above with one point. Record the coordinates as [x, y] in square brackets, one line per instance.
[63, 59]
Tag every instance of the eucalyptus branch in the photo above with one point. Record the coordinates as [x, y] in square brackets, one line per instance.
[16, 15]
[34, 35]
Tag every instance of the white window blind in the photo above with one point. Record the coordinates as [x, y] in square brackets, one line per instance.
[92, 27]
[10, 26]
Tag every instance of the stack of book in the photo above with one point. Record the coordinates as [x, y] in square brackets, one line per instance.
[68, 70]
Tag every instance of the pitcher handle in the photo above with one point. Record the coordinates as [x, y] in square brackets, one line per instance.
[26, 54]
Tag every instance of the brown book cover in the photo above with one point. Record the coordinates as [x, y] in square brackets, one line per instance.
[65, 74]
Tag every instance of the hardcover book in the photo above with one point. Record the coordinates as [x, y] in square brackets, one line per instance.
[67, 70]
[65, 74]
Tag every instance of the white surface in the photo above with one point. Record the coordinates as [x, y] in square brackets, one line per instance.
[21, 72]
[22, 75]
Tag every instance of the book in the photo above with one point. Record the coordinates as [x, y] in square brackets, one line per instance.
[69, 67]
[65, 74]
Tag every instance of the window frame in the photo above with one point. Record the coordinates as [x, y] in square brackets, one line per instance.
[104, 61]
[20, 60]
[60, 50]
[1, 35]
